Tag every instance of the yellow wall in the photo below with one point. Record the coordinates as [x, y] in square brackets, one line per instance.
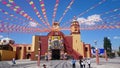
[14, 48]
[18, 53]
[21, 52]
[35, 45]
[82, 50]
[7, 55]
[0, 55]
[77, 44]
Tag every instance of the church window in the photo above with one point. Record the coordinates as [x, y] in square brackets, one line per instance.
[20, 48]
[29, 48]
[86, 49]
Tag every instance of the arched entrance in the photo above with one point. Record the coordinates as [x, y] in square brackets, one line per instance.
[28, 56]
[55, 54]
[56, 47]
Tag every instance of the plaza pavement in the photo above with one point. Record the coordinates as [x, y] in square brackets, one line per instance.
[111, 63]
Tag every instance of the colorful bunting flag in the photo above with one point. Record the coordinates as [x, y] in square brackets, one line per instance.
[68, 7]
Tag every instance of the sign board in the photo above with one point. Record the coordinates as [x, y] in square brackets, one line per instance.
[100, 51]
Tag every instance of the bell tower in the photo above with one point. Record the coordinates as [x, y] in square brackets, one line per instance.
[75, 30]
[75, 27]
[77, 44]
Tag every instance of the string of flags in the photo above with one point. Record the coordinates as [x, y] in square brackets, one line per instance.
[100, 27]
[5, 27]
[16, 22]
[103, 22]
[113, 10]
[94, 6]
[13, 6]
[44, 11]
[36, 11]
[55, 10]
[12, 16]
[67, 8]
[104, 13]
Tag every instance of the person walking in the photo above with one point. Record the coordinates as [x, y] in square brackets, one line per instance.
[73, 63]
[46, 56]
[13, 62]
[44, 66]
[81, 63]
[89, 63]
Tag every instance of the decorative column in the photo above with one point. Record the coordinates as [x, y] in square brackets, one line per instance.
[106, 58]
[39, 53]
[97, 56]
[38, 63]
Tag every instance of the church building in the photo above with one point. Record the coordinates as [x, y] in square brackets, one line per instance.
[56, 45]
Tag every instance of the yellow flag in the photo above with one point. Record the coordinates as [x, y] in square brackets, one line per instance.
[31, 2]
[42, 4]
[11, 1]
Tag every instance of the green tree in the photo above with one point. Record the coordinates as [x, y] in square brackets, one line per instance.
[119, 52]
[107, 46]
[119, 48]
[92, 47]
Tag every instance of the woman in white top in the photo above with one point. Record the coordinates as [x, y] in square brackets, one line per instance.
[88, 62]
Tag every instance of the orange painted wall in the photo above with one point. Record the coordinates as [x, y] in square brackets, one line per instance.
[88, 52]
[44, 44]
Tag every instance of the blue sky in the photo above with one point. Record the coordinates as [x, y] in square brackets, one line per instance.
[89, 13]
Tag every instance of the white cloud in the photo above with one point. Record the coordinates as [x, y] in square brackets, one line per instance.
[1, 36]
[81, 20]
[108, 37]
[32, 24]
[90, 20]
[116, 37]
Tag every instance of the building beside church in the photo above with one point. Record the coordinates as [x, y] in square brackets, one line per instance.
[9, 50]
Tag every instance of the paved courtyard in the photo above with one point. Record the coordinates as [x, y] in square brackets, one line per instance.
[111, 63]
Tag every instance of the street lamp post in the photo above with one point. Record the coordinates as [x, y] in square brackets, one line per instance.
[39, 53]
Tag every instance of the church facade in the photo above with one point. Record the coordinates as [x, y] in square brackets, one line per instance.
[57, 45]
